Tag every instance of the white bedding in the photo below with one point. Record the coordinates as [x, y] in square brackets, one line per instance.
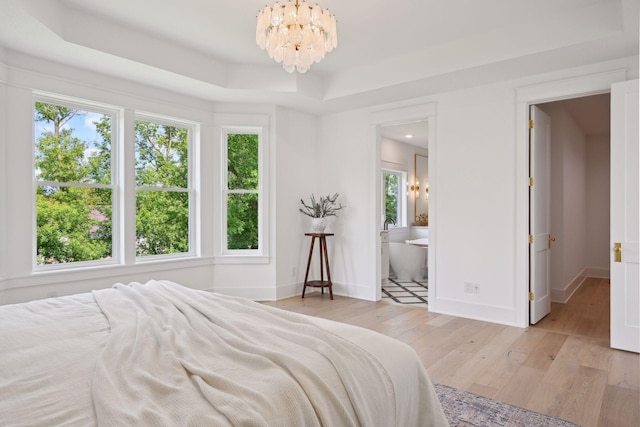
[162, 354]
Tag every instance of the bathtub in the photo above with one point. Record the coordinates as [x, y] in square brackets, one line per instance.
[424, 242]
[408, 261]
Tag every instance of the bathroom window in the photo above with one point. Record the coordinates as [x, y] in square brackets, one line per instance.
[394, 198]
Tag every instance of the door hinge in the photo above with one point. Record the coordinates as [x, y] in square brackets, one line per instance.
[531, 296]
[530, 181]
[530, 124]
[530, 238]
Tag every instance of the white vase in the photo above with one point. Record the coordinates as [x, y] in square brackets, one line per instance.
[319, 224]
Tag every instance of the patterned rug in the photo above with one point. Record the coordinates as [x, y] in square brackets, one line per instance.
[411, 292]
[464, 409]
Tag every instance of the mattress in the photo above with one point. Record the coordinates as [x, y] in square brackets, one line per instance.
[162, 354]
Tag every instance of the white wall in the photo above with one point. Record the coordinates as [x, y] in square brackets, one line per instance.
[474, 188]
[297, 175]
[475, 192]
[568, 203]
[348, 149]
[598, 204]
[3, 174]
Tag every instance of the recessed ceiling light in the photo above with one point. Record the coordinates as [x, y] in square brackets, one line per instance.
[409, 136]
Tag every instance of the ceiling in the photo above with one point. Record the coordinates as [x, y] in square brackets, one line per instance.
[414, 133]
[387, 51]
[591, 113]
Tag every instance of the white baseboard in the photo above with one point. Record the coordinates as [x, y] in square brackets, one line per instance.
[295, 289]
[469, 310]
[563, 295]
[598, 272]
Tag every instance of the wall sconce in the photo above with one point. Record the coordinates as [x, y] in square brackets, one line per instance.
[427, 190]
[416, 188]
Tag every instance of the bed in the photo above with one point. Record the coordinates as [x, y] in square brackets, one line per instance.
[160, 354]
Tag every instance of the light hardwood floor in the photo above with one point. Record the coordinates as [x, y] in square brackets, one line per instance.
[562, 366]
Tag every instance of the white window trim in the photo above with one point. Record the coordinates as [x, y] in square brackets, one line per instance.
[402, 198]
[192, 186]
[238, 123]
[93, 107]
[123, 188]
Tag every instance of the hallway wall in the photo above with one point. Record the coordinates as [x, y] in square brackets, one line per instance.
[579, 203]
[598, 204]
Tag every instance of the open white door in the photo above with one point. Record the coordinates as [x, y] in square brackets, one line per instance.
[539, 214]
[625, 218]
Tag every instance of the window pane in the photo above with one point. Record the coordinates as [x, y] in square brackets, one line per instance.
[162, 155]
[242, 161]
[391, 194]
[242, 221]
[162, 222]
[73, 224]
[72, 145]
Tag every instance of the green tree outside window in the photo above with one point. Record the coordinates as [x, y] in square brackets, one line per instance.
[73, 194]
[242, 191]
[162, 198]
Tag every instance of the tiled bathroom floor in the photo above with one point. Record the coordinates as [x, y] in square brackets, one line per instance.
[413, 292]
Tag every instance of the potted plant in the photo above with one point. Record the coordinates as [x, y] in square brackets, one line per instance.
[320, 209]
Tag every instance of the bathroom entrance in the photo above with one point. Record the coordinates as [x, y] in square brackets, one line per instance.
[404, 208]
[419, 121]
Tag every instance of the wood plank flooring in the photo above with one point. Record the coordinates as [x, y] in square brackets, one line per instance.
[562, 366]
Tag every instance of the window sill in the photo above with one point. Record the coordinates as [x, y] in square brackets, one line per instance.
[104, 271]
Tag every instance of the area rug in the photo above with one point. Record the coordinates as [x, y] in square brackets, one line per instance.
[464, 409]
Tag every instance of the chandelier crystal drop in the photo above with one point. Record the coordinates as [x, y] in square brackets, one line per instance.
[296, 34]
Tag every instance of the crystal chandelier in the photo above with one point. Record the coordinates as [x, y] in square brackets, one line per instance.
[296, 34]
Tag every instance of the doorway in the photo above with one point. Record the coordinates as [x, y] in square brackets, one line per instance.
[425, 114]
[578, 208]
[404, 212]
[587, 313]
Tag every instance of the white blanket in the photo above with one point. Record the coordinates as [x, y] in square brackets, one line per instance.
[53, 363]
[182, 357]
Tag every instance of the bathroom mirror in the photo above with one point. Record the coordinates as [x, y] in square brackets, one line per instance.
[421, 190]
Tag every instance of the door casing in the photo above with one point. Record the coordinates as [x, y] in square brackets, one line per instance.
[526, 96]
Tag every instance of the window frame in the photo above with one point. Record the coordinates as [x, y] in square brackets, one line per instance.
[122, 185]
[261, 254]
[116, 117]
[193, 132]
[402, 207]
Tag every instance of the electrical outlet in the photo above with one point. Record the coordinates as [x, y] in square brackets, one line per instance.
[471, 288]
[467, 287]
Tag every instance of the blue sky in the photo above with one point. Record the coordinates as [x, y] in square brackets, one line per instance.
[83, 129]
[82, 125]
